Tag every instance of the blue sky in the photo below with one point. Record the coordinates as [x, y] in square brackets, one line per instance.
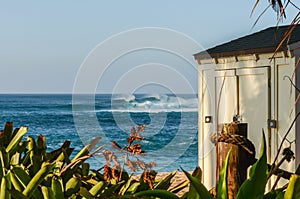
[43, 44]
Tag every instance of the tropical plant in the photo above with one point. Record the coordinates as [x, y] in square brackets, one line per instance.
[27, 170]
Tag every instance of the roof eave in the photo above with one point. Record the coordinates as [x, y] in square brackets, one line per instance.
[206, 55]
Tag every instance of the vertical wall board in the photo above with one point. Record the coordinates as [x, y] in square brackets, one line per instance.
[286, 111]
[297, 80]
[207, 157]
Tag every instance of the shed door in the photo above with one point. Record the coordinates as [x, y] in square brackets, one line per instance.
[244, 92]
[254, 101]
[226, 92]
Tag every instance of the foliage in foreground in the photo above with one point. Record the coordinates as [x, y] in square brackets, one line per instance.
[254, 186]
[28, 171]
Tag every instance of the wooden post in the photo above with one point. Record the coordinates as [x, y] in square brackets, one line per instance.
[238, 162]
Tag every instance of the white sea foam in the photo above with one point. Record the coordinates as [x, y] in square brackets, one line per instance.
[124, 97]
[153, 103]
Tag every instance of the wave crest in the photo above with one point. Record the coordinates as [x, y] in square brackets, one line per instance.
[154, 103]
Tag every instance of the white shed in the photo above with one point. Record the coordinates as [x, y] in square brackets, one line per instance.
[243, 77]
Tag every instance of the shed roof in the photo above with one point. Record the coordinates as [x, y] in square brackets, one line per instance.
[265, 41]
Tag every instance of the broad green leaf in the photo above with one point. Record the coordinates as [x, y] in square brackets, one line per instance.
[276, 193]
[72, 186]
[197, 189]
[46, 191]
[293, 188]
[280, 195]
[5, 186]
[125, 187]
[85, 169]
[14, 143]
[86, 150]
[21, 175]
[70, 171]
[37, 179]
[15, 182]
[166, 182]
[222, 189]
[5, 159]
[111, 190]
[97, 188]
[2, 165]
[15, 159]
[179, 187]
[157, 193]
[254, 187]
[57, 187]
[133, 188]
[23, 179]
[17, 194]
[85, 193]
[197, 173]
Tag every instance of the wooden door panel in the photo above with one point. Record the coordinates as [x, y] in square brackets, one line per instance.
[226, 92]
[253, 101]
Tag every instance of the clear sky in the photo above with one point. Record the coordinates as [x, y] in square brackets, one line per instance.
[43, 43]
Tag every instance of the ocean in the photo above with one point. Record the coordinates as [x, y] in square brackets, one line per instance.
[171, 123]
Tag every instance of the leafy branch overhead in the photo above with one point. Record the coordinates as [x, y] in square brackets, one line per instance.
[280, 7]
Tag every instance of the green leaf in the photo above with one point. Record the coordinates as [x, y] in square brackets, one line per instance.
[85, 169]
[133, 188]
[5, 186]
[21, 175]
[197, 173]
[275, 193]
[85, 193]
[23, 179]
[222, 189]
[34, 159]
[97, 188]
[197, 189]
[179, 187]
[254, 187]
[72, 186]
[46, 191]
[17, 194]
[14, 143]
[86, 150]
[125, 187]
[157, 193]
[280, 195]
[2, 165]
[70, 171]
[111, 190]
[57, 187]
[5, 159]
[166, 182]
[37, 179]
[293, 188]
[15, 182]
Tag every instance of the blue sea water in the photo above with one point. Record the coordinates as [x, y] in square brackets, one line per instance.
[170, 136]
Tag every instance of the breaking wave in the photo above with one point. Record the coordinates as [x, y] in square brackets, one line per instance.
[153, 103]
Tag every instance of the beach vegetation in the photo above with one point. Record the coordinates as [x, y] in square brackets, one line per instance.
[28, 170]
